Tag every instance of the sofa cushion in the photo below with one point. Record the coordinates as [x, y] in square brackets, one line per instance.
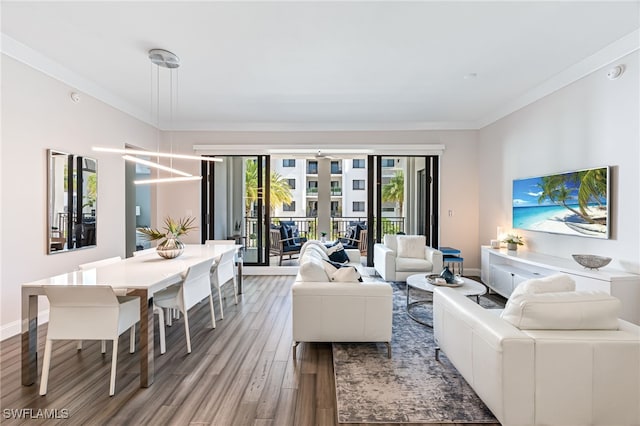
[391, 242]
[550, 284]
[336, 253]
[312, 269]
[411, 246]
[572, 310]
[317, 245]
[341, 273]
[409, 264]
[314, 250]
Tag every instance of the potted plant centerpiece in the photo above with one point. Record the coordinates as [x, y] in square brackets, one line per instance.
[171, 247]
[513, 241]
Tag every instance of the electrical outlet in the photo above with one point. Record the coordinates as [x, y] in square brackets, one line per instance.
[450, 213]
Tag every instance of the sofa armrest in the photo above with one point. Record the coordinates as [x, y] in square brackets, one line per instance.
[353, 255]
[435, 257]
[384, 261]
[494, 357]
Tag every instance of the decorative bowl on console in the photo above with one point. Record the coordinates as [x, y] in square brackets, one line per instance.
[591, 261]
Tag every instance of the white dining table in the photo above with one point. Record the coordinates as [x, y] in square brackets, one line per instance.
[142, 275]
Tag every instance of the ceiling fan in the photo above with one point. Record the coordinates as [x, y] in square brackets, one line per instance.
[320, 154]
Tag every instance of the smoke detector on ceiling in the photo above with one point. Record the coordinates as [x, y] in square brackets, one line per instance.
[615, 72]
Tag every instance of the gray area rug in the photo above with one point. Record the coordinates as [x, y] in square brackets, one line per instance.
[411, 387]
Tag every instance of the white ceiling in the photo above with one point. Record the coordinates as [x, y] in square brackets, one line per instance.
[321, 65]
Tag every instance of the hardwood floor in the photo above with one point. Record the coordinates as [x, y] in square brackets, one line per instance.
[241, 373]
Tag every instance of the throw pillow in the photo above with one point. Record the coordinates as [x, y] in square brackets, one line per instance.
[570, 310]
[336, 253]
[550, 284]
[412, 246]
[341, 273]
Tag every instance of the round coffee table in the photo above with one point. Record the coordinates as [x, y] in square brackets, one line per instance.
[419, 281]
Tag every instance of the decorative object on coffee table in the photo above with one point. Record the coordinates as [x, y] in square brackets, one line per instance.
[591, 261]
[171, 247]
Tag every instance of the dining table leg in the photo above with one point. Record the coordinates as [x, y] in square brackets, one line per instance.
[147, 368]
[29, 336]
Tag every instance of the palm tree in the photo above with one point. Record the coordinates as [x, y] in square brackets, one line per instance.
[394, 190]
[280, 189]
[590, 187]
[593, 188]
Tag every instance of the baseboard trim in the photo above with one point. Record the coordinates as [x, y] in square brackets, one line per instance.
[14, 328]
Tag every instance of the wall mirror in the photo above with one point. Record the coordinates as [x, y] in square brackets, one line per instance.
[72, 201]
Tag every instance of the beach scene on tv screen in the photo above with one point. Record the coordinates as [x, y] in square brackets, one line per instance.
[573, 203]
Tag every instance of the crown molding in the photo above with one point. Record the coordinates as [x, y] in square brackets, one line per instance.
[606, 56]
[611, 53]
[28, 56]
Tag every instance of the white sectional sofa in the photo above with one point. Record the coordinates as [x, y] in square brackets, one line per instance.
[551, 358]
[337, 311]
[402, 255]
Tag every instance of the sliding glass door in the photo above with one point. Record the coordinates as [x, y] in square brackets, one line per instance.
[234, 195]
[402, 198]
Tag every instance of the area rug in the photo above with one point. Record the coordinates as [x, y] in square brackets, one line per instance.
[411, 387]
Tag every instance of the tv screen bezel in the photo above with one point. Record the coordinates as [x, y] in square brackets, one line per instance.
[515, 201]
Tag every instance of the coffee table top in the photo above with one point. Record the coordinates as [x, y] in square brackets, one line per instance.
[469, 288]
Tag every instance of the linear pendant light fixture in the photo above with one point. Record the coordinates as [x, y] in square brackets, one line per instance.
[154, 154]
[161, 58]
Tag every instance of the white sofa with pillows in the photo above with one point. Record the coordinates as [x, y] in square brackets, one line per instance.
[402, 255]
[554, 356]
[331, 304]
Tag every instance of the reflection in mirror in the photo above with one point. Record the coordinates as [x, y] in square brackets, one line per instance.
[72, 202]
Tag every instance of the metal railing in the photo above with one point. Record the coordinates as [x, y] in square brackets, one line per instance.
[308, 226]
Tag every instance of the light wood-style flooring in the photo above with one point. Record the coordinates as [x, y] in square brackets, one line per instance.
[241, 373]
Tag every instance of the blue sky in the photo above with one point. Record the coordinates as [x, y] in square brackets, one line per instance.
[527, 191]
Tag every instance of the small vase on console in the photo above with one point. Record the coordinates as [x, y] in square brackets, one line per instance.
[512, 246]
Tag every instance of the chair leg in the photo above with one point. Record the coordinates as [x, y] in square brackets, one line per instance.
[132, 339]
[114, 361]
[103, 346]
[220, 301]
[46, 363]
[295, 347]
[163, 341]
[213, 313]
[186, 331]
[280, 264]
[235, 289]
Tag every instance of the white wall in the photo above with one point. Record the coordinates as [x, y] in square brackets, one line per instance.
[37, 114]
[592, 122]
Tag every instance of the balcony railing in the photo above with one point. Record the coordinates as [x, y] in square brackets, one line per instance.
[308, 226]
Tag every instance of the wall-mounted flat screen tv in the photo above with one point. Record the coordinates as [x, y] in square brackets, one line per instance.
[572, 203]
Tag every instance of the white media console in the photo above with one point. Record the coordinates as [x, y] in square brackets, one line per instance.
[503, 270]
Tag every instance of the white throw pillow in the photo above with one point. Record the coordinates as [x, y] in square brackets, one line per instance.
[312, 270]
[315, 243]
[411, 246]
[573, 310]
[391, 242]
[342, 274]
[550, 284]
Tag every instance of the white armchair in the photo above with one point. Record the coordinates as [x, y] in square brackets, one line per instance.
[402, 255]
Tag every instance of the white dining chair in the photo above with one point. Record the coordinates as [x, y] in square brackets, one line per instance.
[118, 292]
[123, 292]
[194, 287]
[223, 272]
[87, 313]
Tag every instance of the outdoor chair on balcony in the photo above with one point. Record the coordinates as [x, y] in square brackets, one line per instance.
[355, 237]
[280, 246]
